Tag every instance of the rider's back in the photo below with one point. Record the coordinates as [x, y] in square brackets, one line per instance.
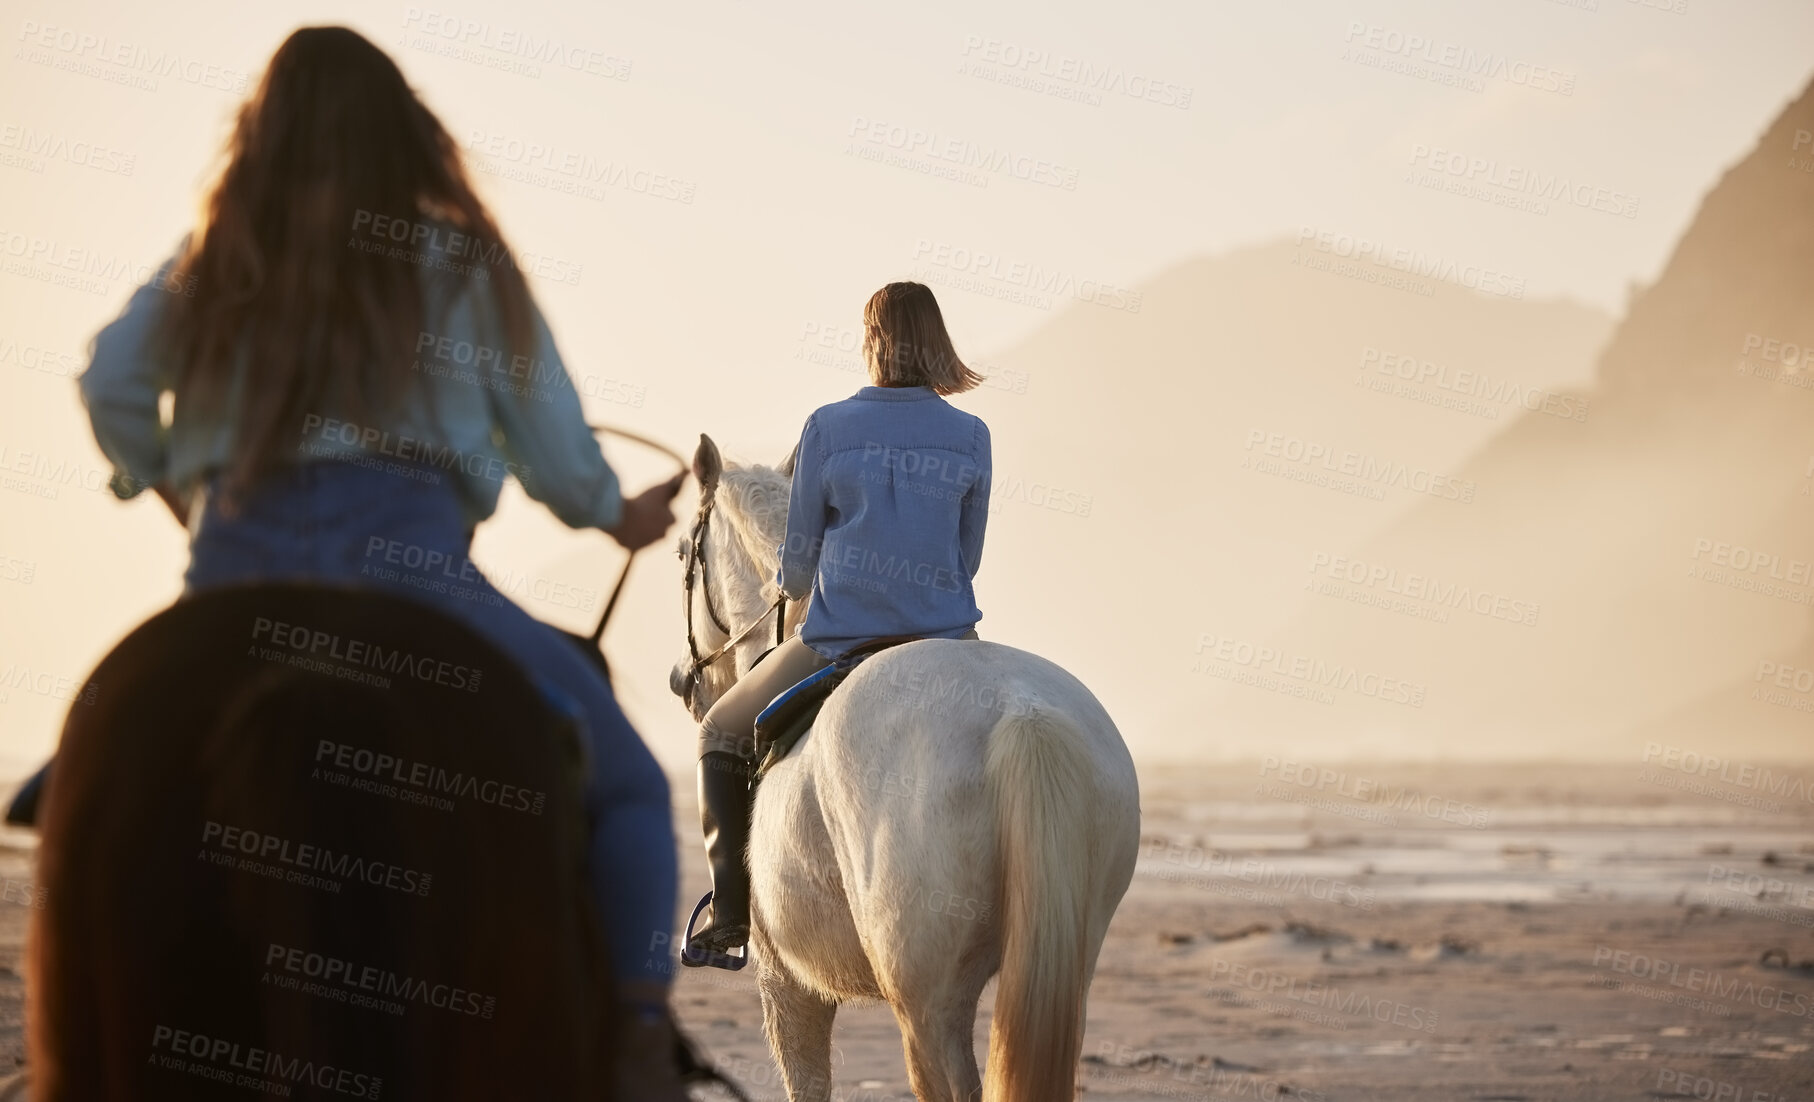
[891, 497]
[476, 411]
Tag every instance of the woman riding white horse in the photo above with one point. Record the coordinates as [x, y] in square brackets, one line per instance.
[960, 808]
[884, 530]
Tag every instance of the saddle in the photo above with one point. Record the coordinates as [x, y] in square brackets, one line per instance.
[781, 725]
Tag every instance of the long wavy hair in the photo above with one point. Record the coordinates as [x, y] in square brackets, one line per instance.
[338, 189]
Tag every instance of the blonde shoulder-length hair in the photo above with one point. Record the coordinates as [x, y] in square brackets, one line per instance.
[905, 342]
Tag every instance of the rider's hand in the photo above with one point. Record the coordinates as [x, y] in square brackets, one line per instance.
[647, 516]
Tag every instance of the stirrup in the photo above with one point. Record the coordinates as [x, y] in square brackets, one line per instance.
[695, 956]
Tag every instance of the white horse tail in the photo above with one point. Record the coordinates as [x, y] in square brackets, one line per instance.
[1036, 773]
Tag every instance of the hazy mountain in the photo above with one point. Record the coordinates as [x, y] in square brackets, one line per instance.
[1696, 456]
[1149, 417]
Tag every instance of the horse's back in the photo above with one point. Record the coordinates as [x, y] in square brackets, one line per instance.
[955, 692]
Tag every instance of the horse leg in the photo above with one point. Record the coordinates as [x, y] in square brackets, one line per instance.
[797, 1021]
[936, 1037]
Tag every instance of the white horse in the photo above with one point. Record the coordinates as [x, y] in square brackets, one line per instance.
[960, 808]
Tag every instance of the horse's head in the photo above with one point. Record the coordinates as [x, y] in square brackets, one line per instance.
[731, 555]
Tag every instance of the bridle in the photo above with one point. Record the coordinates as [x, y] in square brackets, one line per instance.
[693, 554]
[694, 557]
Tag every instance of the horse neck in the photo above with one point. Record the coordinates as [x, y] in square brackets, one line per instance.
[746, 576]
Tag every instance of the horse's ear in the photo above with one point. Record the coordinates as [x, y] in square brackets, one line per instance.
[787, 465]
[707, 463]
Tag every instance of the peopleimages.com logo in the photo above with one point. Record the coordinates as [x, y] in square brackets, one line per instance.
[1411, 262]
[1692, 764]
[372, 764]
[357, 653]
[242, 1065]
[307, 864]
[370, 982]
[1690, 981]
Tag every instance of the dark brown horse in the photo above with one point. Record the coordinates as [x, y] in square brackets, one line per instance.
[315, 838]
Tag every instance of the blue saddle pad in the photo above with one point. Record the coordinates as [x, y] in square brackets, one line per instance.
[781, 725]
[789, 716]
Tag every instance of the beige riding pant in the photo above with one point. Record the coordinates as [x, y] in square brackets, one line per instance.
[730, 723]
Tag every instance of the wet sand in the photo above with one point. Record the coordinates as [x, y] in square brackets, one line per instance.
[1511, 933]
[1487, 934]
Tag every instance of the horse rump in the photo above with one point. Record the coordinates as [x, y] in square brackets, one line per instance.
[303, 837]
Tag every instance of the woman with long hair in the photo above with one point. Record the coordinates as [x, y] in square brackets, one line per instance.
[885, 525]
[356, 364]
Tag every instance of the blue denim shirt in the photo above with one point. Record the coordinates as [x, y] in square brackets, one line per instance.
[885, 520]
[480, 414]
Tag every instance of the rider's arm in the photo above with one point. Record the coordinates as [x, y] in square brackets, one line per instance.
[121, 389]
[544, 435]
[975, 515]
[805, 519]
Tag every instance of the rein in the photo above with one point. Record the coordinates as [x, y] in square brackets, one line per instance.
[695, 568]
[598, 633]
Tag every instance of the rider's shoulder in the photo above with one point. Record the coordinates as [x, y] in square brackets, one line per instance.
[832, 414]
[981, 426]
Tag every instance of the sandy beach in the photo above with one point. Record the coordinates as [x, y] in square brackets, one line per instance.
[1491, 934]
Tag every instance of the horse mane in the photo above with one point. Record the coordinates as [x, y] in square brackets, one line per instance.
[752, 498]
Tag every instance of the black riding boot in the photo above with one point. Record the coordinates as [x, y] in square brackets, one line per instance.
[724, 812]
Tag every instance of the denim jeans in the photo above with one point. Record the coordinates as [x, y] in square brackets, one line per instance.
[341, 522]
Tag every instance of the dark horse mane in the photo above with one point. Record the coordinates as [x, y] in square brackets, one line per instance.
[401, 909]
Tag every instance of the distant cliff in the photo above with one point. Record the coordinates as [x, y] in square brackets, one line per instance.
[1133, 456]
[1668, 538]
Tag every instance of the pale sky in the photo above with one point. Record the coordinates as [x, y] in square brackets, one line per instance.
[1281, 117]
